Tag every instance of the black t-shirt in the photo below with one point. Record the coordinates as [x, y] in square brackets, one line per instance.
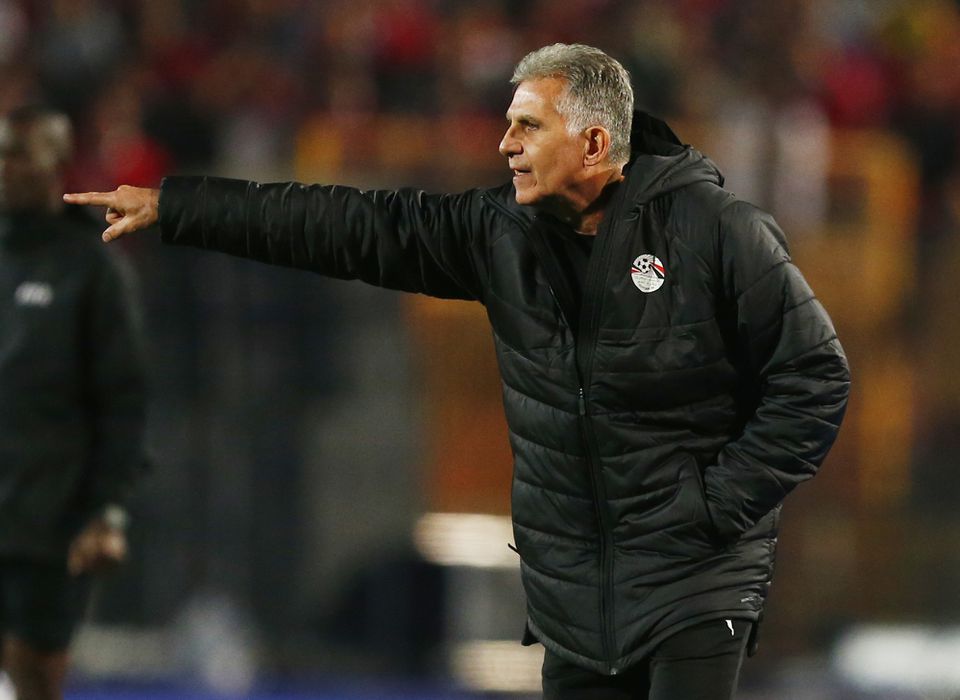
[573, 252]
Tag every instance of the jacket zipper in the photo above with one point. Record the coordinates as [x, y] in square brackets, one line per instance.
[583, 350]
[586, 344]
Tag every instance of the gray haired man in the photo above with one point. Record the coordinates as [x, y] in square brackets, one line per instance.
[668, 376]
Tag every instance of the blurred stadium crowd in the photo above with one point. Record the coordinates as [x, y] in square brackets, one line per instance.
[396, 92]
[166, 86]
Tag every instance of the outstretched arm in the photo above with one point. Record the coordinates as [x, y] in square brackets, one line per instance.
[398, 239]
[129, 208]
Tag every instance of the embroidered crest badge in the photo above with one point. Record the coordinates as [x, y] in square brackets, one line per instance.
[648, 273]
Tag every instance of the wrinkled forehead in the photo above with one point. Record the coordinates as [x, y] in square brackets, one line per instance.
[537, 96]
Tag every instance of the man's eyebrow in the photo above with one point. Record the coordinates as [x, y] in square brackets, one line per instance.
[523, 118]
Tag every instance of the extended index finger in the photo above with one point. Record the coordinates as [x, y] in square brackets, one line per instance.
[102, 199]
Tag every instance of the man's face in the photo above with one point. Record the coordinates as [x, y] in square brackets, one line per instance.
[547, 161]
[28, 168]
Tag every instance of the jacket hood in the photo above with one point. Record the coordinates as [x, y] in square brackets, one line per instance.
[660, 162]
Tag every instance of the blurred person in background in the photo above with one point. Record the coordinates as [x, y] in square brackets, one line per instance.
[668, 375]
[71, 404]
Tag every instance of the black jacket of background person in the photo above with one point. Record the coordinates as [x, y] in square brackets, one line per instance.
[71, 382]
[654, 444]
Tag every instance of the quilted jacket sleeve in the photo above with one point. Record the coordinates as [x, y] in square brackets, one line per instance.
[406, 240]
[789, 351]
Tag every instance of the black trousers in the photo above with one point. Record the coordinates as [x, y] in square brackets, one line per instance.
[699, 663]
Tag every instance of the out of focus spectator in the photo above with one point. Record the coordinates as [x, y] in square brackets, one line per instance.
[72, 404]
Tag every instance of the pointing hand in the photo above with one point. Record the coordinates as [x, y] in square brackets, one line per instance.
[129, 208]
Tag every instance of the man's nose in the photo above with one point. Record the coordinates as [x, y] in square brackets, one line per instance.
[509, 145]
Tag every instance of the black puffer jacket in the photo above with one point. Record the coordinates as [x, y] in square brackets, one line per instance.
[654, 443]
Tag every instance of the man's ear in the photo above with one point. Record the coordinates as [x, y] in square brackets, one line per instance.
[597, 145]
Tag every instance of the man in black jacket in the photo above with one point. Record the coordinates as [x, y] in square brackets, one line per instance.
[71, 404]
[668, 376]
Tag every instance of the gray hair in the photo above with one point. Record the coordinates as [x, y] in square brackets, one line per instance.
[598, 90]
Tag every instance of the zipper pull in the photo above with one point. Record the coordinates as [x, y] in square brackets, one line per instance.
[582, 403]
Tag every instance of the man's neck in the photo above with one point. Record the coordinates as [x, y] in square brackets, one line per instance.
[585, 215]
[586, 221]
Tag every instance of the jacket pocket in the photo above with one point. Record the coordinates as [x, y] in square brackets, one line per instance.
[694, 496]
[679, 527]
